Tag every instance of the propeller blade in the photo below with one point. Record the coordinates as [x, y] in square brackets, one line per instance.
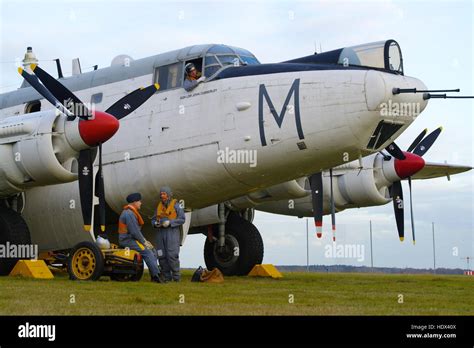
[417, 140]
[426, 143]
[411, 212]
[132, 101]
[333, 209]
[395, 151]
[100, 191]
[397, 196]
[35, 83]
[86, 186]
[316, 184]
[64, 95]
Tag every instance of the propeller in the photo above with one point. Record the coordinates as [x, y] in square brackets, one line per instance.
[333, 209]
[427, 142]
[405, 169]
[316, 184]
[417, 140]
[132, 101]
[95, 127]
[411, 212]
[120, 109]
[64, 95]
[34, 82]
[397, 194]
[100, 191]
[86, 173]
[395, 151]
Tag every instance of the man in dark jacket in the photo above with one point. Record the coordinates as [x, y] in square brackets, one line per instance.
[130, 235]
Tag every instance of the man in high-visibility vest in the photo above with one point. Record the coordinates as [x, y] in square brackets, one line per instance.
[168, 219]
[130, 235]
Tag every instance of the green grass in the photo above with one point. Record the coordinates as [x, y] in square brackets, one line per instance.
[314, 294]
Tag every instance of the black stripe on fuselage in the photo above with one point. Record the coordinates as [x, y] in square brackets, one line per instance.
[265, 69]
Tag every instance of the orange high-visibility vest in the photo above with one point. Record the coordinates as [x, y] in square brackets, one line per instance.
[169, 212]
[122, 228]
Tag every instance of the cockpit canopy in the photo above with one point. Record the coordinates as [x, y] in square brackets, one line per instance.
[208, 59]
[218, 56]
[382, 55]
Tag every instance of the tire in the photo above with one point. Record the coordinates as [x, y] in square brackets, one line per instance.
[85, 262]
[130, 277]
[13, 229]
[138, 276]
[240, 234]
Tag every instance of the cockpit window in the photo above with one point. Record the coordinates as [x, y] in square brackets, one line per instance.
[220, 49]
[382, 55]
[219, 56]
[229, 60]
[211, 70]
[365, 55]
[395, 57]
[211, 59]
[241, 51]
[249, 60]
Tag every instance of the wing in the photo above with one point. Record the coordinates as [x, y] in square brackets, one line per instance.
[436, 170]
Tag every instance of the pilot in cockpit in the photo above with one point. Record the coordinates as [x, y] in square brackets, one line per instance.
[193, 77]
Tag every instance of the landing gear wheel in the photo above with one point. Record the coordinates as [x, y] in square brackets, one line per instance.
[243, 248]
[13, 229]
[130, 277]
[86, 262]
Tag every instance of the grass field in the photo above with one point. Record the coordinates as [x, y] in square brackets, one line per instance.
[313, 294]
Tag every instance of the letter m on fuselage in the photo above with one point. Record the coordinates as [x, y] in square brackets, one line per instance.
[295, 92]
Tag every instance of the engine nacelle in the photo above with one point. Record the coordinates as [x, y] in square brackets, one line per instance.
[205, 216]
[36, 150]
[293, 189]
[363, 188]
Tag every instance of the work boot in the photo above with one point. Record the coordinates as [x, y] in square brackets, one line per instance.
[157, 279]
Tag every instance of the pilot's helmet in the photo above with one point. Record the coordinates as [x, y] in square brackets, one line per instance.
[189, 67]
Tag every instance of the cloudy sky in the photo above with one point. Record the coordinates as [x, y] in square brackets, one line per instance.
[436, 38]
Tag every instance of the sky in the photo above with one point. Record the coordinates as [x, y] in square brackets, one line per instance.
[436, 38]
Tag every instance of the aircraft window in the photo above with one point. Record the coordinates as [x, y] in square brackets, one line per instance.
[365, 55]
[168, 76]
[395, 57]
[220, 49]
[242, 52]
[229, 60]
[96, 98]
[211, 60]
[381, 55]
[249, 60]
[173, 76]
[156, 77]
[211, 70]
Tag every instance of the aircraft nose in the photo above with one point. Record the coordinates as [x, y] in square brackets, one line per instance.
[379, 95]
[98, 130]
[412, 164]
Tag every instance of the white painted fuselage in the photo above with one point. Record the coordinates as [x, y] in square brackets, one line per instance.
[174, 139]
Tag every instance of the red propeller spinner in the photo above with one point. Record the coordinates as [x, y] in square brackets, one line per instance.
[99, 129]
[411, 165]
